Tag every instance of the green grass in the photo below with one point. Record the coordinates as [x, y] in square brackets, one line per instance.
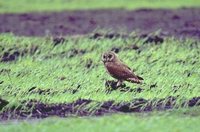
[167, 64]
[173, 66]
[15, 6]
[183, 120]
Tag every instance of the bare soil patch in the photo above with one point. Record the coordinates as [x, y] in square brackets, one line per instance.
[36, 109]
[178, 22]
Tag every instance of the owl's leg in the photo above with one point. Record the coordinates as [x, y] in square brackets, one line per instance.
[119, 83]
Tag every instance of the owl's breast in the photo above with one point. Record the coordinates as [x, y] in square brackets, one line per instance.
[115, 70]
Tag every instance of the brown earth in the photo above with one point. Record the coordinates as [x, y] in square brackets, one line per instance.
[35, 109]
[178, 22]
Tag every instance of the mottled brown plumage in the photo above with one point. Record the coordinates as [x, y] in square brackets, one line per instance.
[118, 69]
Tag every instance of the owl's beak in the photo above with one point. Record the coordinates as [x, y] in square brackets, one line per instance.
[104, 61]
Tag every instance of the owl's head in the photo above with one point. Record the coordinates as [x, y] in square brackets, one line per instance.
[109, 56]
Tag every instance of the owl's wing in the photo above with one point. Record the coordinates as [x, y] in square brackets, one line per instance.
[127, 70]
[132, 71]
[130, 76]
[121, 71]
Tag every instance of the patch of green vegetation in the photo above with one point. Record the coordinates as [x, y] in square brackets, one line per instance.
[172, 121]
[72, 70]
[15, 6]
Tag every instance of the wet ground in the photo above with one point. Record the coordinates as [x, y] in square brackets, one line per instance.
[35, 109]
[179, 22]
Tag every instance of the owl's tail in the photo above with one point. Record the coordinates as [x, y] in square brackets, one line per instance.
[137, 80]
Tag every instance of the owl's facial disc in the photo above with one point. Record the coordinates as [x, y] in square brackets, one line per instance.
[110, 57]
[104, 58]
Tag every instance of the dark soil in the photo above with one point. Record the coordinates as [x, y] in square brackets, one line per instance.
[35, 109]
[3, 103]
[12, 54]
[179, 22]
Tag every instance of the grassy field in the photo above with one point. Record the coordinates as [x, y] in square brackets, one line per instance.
[40, 65]
[184, 120]
[14, 6]
[34, 68]
[39, 68]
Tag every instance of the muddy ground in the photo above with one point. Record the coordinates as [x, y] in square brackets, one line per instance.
[178, 22]
[35, 109]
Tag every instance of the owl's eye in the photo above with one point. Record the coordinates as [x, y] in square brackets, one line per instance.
[104, 56]
[109, 56]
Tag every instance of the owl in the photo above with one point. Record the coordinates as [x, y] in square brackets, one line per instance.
[118, 70]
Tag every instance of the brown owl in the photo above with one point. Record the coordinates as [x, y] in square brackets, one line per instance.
[118, 69]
